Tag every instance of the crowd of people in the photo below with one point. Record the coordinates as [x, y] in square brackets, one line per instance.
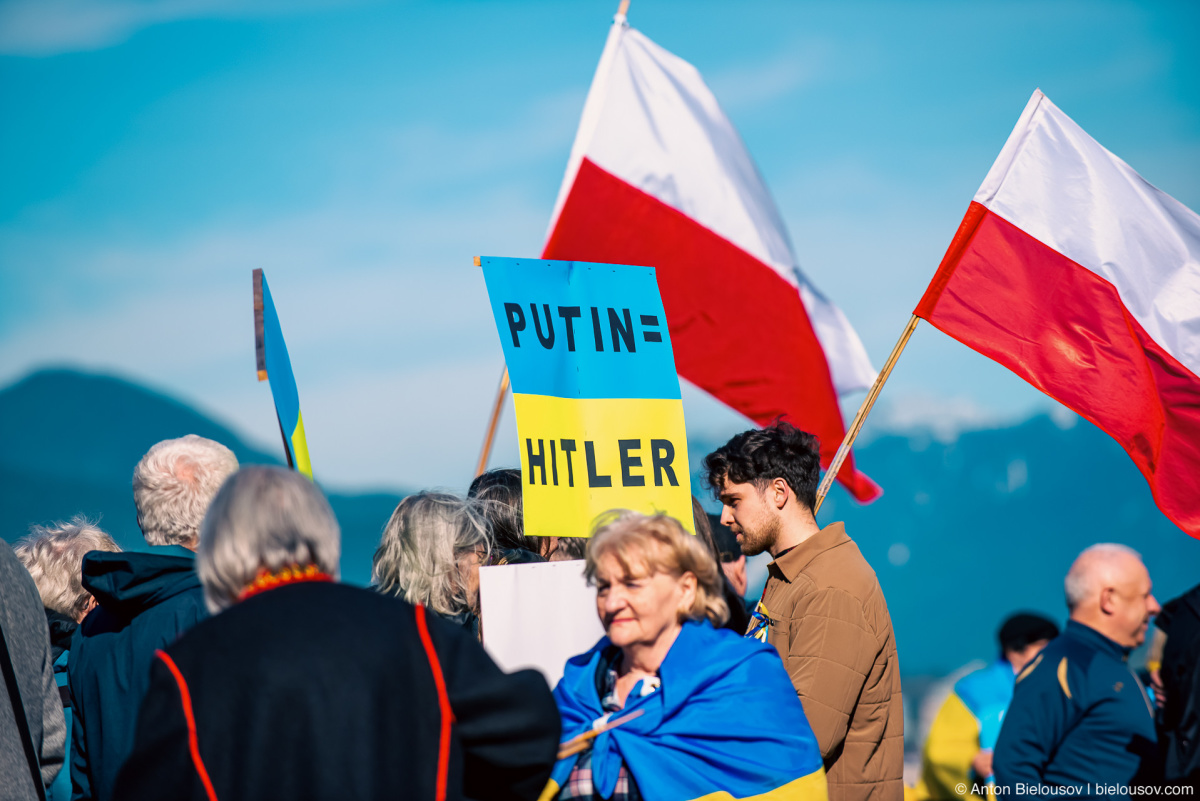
[228, 661]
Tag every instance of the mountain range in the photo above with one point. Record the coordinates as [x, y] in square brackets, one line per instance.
[966, 532]
[69, 442]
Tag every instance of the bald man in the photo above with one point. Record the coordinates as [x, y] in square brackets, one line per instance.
[1079, 717]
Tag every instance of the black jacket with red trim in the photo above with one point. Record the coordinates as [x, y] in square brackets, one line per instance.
[327, 691]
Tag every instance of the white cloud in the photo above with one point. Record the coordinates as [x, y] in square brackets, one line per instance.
[1063, 417]
[925, 417]
[437, 153]
[752, 85]
[53, 27]
[924, 414]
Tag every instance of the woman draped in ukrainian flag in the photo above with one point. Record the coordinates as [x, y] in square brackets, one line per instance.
[683, 710]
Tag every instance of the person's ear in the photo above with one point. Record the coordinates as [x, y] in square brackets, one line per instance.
[687, 583]
[1108, 600]
[779, 493]
[91, 604]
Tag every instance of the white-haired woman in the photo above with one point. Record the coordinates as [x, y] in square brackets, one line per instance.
[53, 555]
[304, 688]
[430, 554]
[683, 709]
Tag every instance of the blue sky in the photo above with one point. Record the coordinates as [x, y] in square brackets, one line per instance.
[153, 153]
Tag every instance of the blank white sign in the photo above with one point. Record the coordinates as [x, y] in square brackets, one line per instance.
[537, 615]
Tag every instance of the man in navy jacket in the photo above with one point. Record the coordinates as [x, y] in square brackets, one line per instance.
[145, 601]
[1080, 717]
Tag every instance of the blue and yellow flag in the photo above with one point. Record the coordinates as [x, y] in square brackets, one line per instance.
[725, 724]
[275, 366]
[599, 414]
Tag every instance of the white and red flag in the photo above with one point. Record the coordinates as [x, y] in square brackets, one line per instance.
[1082, 278]
[659, 177]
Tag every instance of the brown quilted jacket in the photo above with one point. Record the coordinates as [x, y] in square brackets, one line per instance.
[830, 623]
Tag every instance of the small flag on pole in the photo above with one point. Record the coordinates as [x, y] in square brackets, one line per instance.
[275, 366]
[1079, 276]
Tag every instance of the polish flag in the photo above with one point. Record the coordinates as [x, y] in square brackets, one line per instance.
[659, 177]
[1079, 276]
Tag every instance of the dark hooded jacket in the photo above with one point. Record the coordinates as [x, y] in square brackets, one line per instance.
[62, 631]
[1180, 737]
[145, 601]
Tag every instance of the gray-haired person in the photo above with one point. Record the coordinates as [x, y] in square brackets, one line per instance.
[31, 718]
[144, 601]
[430, 553]
[304, 688]
[53, 555]
[1080, 719]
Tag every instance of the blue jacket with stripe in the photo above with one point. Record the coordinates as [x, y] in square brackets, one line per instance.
[1079, 718]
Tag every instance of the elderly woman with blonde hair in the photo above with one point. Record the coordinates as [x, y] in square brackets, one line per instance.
[667, 707]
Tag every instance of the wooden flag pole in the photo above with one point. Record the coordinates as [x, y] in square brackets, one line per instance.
[486, 453]
[581, 743]
[852, 433]
[491, 432]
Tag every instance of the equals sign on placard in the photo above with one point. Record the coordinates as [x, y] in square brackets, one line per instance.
[650, 321]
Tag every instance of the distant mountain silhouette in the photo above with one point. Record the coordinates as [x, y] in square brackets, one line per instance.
[69, 442]
[966, 532]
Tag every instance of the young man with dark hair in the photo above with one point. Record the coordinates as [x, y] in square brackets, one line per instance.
[822, 608]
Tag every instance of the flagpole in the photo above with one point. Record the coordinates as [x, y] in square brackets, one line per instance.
[852, 433]
[486, 453]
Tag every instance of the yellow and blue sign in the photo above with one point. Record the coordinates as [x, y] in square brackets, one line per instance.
[599, 415]
[275, 366]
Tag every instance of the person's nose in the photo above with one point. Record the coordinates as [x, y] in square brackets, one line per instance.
[726, 515]
[614, 599]
[1153, 606]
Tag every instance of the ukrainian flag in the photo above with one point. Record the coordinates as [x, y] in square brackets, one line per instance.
[968, 721]
[725, 724]
[275, 366]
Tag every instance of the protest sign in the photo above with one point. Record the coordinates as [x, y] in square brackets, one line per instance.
[599, 415]
[537, 615]
[275, 366]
